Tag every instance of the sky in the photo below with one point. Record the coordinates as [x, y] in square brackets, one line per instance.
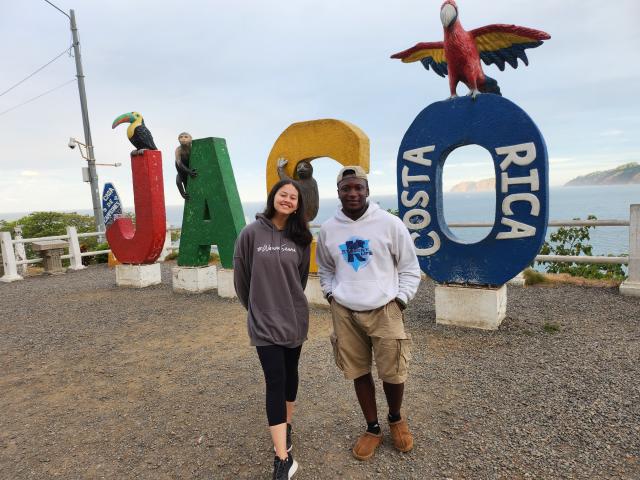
[246, 70]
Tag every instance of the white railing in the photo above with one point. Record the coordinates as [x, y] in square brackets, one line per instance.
[575, 223]
[11, 261]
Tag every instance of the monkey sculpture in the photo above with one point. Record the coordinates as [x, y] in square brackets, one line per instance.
[308, 185]
[183, 152]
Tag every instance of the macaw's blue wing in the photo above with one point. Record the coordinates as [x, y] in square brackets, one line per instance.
[430, 54]
[506, 43]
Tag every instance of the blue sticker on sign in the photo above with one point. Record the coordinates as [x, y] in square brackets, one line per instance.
[111, 205]
[521, 168]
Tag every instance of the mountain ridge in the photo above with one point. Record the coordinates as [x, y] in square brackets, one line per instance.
[628, 173]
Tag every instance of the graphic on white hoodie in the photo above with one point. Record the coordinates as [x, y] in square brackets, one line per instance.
[356, 252]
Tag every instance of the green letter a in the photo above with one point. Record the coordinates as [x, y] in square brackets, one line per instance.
[213, 214]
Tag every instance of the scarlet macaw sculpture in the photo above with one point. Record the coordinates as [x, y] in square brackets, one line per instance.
[460, 54]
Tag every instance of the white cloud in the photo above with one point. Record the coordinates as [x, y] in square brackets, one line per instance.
[612, 133]
[29, 173]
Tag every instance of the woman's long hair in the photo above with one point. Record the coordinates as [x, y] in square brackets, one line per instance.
[296, 227]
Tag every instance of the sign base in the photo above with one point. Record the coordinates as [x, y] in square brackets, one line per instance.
[630, 289]
[194, 279]
[313, 291]
[517, 281]
[138, 276]
[471, 307]
[225, 283]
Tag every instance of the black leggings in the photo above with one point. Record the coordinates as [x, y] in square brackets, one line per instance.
[280, 366]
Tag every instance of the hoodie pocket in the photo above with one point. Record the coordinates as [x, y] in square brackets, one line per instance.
[361, 294]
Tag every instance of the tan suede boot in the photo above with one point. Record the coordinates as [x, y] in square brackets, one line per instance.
[402, 438]
[366, 445]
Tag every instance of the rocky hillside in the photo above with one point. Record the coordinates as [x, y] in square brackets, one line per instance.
[485, 185]
[622, 175]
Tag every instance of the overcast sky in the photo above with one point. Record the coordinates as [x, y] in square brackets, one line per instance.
[245, 70]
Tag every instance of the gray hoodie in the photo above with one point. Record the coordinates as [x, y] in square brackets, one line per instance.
[270, 273]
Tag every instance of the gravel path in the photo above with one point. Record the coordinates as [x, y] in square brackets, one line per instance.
[101, 382]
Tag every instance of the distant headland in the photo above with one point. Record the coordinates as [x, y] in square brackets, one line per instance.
[484, 185]
[626, 174]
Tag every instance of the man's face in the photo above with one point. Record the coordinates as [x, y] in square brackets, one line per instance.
[353, 193]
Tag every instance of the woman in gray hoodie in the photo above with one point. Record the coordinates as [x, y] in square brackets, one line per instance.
[270, 268]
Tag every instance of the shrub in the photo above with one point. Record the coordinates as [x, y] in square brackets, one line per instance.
[574, 241]
[533, 277]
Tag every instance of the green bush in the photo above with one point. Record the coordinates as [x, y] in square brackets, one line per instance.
[172, 256]
[533, 277]
[103, 257]
[574, 241]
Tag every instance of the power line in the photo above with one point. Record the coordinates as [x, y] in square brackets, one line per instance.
[38, 70]
[37, 97]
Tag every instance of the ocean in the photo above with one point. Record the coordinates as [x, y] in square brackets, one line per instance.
[566, 203]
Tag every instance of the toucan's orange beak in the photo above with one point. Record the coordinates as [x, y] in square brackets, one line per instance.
[124, 118]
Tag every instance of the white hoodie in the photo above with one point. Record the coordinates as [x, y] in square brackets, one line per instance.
[366, 263]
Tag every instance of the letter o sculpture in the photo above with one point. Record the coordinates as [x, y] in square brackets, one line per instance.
[522, 189]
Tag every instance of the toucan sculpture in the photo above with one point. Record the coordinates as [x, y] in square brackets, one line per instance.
[139, 135]
[460, 54]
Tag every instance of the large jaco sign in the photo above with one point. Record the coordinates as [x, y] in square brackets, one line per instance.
[522, 196]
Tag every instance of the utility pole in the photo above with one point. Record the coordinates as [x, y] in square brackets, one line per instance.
[91, 159]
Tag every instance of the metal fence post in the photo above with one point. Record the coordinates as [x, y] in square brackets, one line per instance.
[631, 286]
[74, 249]
[8, 259]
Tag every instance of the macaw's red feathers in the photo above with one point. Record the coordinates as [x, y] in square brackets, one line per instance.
[506, 43]
[430, 54]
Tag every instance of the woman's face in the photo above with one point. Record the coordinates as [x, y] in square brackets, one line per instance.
[286, 200]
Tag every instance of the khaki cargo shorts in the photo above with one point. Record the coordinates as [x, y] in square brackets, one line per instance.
[379, 333]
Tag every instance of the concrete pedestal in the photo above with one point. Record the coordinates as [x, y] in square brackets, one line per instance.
[517, 281]
[225, 283]
[482, 308]
[313, 291]
[631, 289]
[138, 276]
[194, 279]
[51, 251]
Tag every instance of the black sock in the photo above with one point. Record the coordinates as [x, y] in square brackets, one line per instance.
[394, 417]
[373, 427]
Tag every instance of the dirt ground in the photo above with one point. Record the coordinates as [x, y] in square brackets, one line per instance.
[103, 382]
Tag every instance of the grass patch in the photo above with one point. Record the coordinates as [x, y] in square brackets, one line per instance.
[551, 327]
[533, 277]
[213, 258]
[566, 279]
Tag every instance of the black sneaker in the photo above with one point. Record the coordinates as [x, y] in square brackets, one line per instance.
[289, 430]
[284, 469]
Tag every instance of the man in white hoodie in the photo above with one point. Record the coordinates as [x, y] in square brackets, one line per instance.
[368, 272]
